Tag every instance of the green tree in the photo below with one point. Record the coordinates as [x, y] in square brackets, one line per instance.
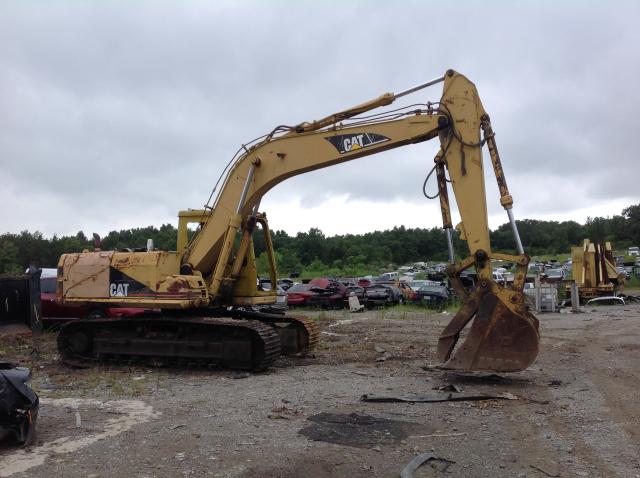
[9, 257]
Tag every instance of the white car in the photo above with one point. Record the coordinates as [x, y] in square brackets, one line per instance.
[499, 278]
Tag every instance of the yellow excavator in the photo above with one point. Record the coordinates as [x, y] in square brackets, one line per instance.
[207, 290]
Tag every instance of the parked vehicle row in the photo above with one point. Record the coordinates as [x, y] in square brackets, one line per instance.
[329, 293]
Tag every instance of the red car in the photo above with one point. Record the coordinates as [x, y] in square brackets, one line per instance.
[298, 294]
[325, 293]
[50, 309]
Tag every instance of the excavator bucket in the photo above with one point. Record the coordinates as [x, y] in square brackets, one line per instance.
[500, 339]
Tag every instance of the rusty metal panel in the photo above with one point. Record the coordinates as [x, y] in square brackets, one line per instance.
[86, 275]
[148, 268]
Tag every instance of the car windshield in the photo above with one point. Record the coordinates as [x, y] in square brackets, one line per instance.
[431, 288]
[300, 288]
[554, 273]
[48, 285]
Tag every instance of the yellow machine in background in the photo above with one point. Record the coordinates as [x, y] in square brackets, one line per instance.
[594, 270]
[208, 291]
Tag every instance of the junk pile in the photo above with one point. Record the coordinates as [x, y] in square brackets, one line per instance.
[18, 405]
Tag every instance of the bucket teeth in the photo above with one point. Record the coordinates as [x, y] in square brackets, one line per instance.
[500, 339]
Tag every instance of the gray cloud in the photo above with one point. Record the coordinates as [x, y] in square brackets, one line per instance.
[120, 114]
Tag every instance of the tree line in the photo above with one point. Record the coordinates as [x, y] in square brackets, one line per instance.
[351, 254]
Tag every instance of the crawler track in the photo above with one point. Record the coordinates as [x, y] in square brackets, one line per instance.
[237, 344]
[298, 334]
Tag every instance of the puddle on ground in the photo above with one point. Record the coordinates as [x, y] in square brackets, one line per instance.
[359, 430]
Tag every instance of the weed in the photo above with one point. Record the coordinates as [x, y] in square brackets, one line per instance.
[115, 386]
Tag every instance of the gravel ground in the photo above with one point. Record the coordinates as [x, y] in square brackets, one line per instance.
[576, 412]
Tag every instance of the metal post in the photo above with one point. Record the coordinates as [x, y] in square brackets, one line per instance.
[452, 258]
[575, 297]
[514, 228]
[538, 291]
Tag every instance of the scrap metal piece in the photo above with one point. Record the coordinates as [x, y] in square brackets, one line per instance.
[542, 470]
[611, 299]
[438, 397]
[418, 461]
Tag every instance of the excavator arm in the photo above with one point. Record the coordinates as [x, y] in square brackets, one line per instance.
[504, 335]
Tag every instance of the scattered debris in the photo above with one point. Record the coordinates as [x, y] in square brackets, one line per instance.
[418, 461]
[332, 334]
[553, 475]
[363, 374]
[439, 435]
[342, 322]
[437, 398]
[631, 298]
[282, 410]
[238, 375]
[179, 425]
[449, 388]
[277, 416]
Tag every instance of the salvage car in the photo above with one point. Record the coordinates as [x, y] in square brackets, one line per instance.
[554, 275]
[433, 295]
[383, 294]
[325, 293]
[299, 294]
[408, 294]
[329, 294]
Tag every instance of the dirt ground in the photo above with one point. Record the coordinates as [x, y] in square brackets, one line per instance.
[575, 412]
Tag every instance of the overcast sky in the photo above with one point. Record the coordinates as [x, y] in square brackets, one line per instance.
[119, 114]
